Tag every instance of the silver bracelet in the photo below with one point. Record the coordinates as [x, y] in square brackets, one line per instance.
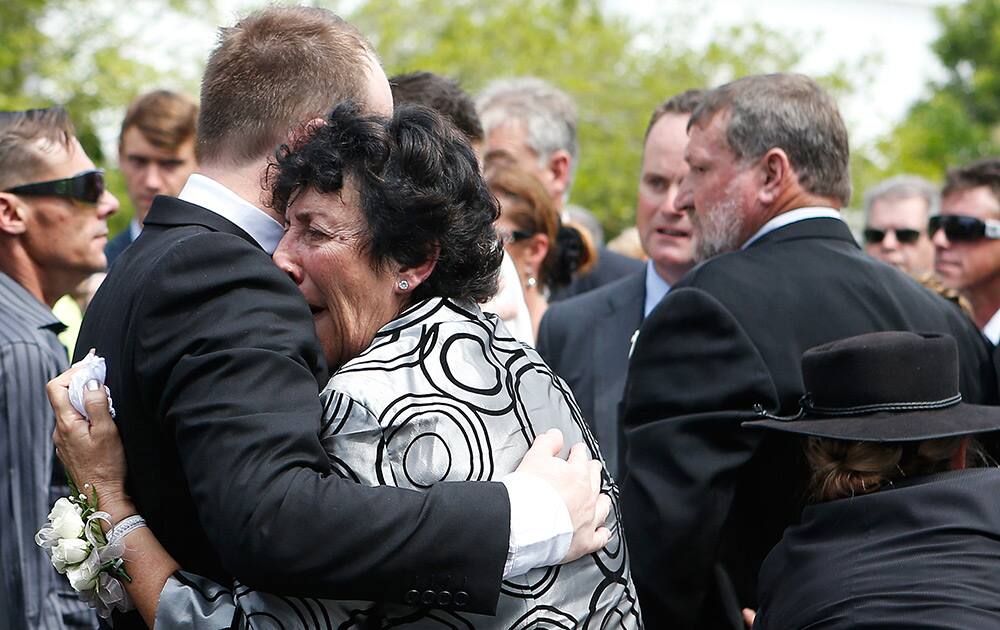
[125, 527]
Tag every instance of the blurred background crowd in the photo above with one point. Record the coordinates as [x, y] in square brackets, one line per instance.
[579, 114]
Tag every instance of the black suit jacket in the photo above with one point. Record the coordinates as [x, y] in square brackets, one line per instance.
[610, 267]
[213, 364]
[921, 554]
[117, 245]
[996, 362]
[705, 500]
[585, 340]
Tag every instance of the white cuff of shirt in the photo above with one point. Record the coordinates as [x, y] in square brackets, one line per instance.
[540, 528]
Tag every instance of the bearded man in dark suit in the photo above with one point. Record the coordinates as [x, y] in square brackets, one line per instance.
[704, 500]
[215, 369]
[586, 338]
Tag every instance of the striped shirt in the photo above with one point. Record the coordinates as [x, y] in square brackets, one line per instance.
[32, 594]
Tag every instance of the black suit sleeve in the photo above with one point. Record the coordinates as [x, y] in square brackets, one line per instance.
[233, 352]
[693, 375]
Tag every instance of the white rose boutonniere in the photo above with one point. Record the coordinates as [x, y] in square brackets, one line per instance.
[78, 548]
[73, 536]
[66, 519]
[69, 551]
[83, 576]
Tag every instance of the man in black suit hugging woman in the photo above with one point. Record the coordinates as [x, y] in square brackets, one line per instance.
[704, 500]
[214, 364]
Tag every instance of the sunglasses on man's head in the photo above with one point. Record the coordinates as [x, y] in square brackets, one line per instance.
[904, 235]
[959, 227]
[87, 187]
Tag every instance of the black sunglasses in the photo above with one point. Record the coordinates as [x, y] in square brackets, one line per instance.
[959, 227]
[904, 235]
[87, 187]
[514, 236]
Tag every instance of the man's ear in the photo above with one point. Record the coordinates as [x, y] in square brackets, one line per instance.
[300, 134]
[560, 164]
[414, 276]
[775, 173]
[13, 214]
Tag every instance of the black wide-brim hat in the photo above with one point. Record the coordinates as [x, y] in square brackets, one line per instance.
[883, 387]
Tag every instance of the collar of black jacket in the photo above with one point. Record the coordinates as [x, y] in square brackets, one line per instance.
[171, 211]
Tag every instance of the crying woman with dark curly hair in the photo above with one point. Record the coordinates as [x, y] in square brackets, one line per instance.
[391, 240]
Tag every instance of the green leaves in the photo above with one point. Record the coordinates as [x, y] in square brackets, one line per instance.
[83, 55]
[617, 71]
[80, 54]
[960, 120]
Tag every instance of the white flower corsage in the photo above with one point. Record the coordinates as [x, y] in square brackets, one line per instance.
[75, 542]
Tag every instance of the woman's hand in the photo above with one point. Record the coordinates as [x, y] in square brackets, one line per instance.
[93, 454]
[91, 451]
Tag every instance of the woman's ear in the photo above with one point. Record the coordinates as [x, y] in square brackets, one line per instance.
[409, 278]
[536, 249]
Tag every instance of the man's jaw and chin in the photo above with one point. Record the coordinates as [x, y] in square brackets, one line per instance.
[717, 231]
[949, 272]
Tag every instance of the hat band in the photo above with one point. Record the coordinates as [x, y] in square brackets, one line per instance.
[808, 406]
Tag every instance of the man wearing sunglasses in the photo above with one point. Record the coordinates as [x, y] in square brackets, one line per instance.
[966, 237]
[896, 212]
[53, 228]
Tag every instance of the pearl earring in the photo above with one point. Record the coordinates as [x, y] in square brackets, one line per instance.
[403, 285]
[532, 281]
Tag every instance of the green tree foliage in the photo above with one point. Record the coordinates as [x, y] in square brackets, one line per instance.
[80, 54]
[958, 121]
[617, 71]
[84, 55]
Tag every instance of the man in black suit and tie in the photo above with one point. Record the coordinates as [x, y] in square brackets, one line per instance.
[704, 500]
[586, 338]
[215, 370]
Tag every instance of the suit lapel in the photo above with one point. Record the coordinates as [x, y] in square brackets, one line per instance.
[620, 319]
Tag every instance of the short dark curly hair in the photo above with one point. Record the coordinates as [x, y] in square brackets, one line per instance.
[419, 188]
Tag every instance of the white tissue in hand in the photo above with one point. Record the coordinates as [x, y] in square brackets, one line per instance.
[92, 367]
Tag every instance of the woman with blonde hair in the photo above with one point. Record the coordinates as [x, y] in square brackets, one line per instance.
[904, 531]
[546, 251]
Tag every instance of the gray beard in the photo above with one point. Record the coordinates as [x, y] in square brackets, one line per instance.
[716, 230]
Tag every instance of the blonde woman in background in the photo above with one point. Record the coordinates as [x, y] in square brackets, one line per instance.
[545, 251]
[904, 526]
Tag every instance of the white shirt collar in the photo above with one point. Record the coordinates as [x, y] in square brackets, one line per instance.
[211, 195]
[134, 229]
[656, 288]
[793, 216]
[992, 329]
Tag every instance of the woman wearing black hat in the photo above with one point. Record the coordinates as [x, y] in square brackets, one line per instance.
[905, 531]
